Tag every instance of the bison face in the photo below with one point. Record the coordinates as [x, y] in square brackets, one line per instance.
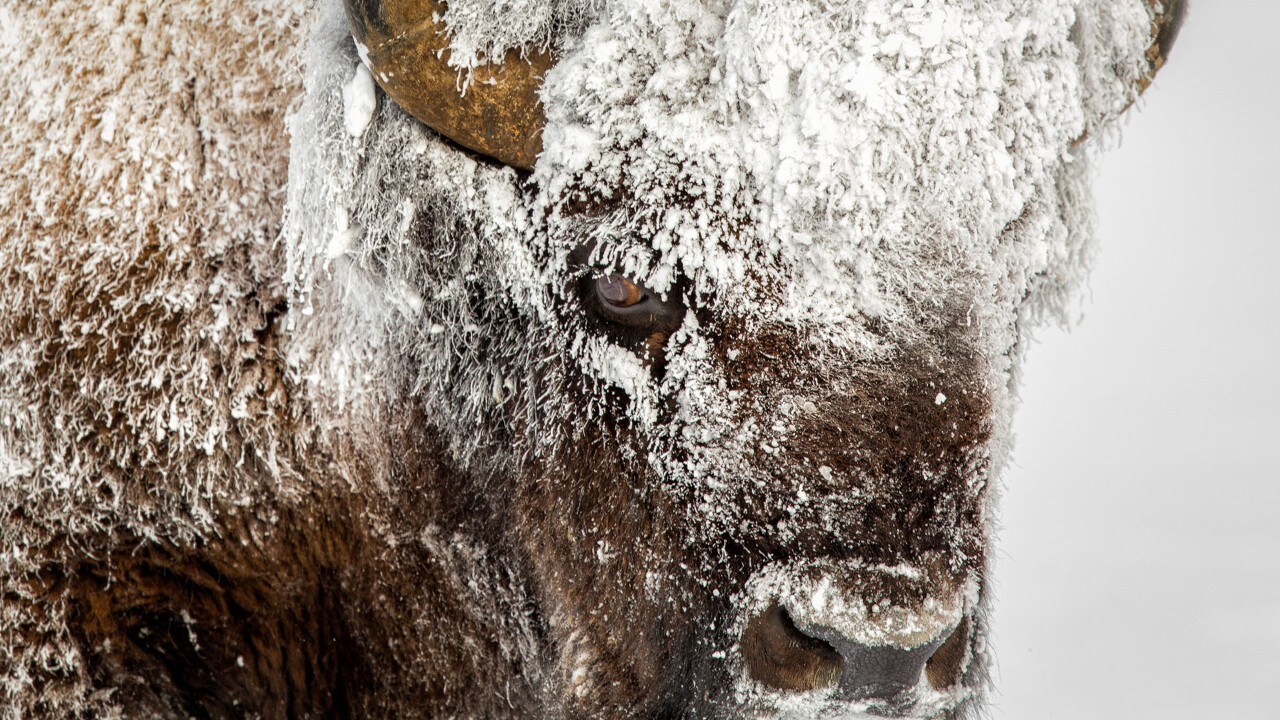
[733, 364]
[786, 358]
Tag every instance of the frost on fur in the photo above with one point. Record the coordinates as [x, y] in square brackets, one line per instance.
[305, 411]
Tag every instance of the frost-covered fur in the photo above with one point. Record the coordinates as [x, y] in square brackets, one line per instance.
[344, 440]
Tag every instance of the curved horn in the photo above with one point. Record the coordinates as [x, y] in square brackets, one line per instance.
[407, 49]
[1165, 25]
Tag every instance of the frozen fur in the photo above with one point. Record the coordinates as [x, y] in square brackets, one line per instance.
[302, 413]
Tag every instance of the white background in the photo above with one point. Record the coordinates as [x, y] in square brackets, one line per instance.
[1138, 574]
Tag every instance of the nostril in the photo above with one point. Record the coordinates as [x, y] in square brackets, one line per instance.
[948, 662]
[778, 655]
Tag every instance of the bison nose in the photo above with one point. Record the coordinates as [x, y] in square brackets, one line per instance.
[878, 672]
[779, 655]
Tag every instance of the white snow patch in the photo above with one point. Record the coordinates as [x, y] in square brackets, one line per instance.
[363, 53]
[344, 235]
[359, 101]
[813, 599]
[10, 31]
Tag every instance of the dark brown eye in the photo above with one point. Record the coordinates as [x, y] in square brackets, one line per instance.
[618, 291]
[624, 304]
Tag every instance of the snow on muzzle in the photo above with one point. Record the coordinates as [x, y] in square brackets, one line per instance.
[858, 633]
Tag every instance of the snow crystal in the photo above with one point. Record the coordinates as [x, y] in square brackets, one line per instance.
[481, 30]
[359, 101]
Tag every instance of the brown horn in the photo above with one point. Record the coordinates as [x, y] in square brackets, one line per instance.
[1164, 29]
[407, 49]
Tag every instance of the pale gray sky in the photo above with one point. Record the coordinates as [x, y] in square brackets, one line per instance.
[1139, 572]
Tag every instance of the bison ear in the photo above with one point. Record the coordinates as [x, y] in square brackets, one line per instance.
[407, 48]
[1165, 24]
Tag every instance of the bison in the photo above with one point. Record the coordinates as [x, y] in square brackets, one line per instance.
[527, 359]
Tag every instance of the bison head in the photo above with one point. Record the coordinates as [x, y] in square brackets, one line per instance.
[720, 353]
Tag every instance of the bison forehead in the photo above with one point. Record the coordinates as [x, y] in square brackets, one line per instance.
[859, 156]
[864, 173]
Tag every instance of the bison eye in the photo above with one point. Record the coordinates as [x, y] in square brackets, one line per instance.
[626, 305]
[618, 291]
